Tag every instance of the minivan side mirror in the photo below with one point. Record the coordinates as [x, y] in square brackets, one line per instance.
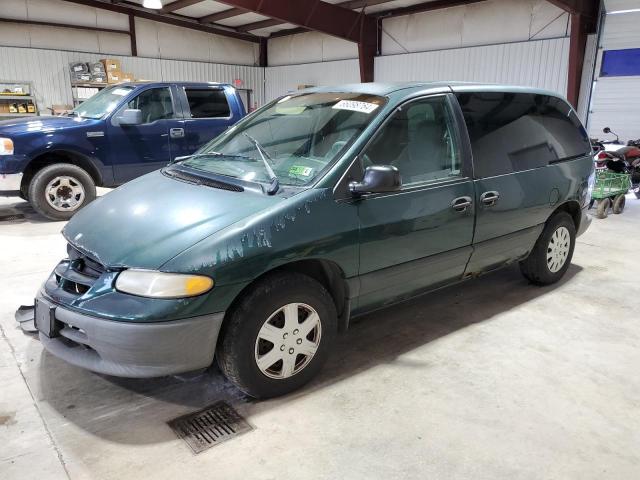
[377, 179]
[130, 116]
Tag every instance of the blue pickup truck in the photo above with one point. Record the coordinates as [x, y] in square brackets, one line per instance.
[122, 132]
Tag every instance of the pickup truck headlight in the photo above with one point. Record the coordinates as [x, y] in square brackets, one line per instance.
[6, 146]
[150, 283]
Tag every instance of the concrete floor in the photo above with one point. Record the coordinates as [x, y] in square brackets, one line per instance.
[493, 379]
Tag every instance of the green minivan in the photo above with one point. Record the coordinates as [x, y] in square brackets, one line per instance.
[321, 206]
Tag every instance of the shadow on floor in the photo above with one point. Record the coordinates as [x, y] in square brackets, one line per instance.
[111, 407]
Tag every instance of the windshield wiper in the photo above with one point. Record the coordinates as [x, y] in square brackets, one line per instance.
[210, 154]
[275, 183]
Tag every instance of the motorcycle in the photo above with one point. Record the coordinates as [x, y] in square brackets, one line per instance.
[614, 156]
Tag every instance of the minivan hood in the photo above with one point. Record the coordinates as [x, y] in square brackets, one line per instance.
[148, 221]
[18, 126]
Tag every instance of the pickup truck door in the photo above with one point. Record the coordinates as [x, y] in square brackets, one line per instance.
[420, 237]
[139, 149]
[208, 111]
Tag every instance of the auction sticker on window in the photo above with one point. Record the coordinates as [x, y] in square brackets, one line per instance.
[299, 170]
[355, 106]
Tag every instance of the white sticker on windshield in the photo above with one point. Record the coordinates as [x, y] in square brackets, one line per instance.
[354, 105]
[120, 91]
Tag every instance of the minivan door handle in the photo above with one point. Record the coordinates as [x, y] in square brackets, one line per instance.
[460, 204]
[490, 198]
[176, 132]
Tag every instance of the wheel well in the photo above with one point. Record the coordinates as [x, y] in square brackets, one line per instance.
[573, 209]
[327, 273]
[60, 156]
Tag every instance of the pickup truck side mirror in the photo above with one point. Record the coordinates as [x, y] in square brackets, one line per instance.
[606, 130]
[377, 179]
[130, 116]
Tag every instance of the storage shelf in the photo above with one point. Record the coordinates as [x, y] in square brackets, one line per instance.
[89, 84]
[15, 97]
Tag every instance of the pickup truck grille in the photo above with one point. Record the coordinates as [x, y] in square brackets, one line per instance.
[76, 275]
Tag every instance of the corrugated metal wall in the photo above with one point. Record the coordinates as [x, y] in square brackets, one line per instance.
[541, 63]
[285, 79]
[587, 76]
[615, 102]
[49, 72]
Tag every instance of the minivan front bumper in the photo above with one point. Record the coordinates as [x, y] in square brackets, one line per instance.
[585, 221]
[135, 350]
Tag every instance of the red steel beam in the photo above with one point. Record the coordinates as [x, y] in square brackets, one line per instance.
[168, 19]
[313, 14]
[577, 46]
[173, 6]
[214, 17]
[351, 5]
[63, 25]
[426, 7]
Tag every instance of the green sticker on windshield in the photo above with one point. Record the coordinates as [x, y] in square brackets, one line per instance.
[300, 170]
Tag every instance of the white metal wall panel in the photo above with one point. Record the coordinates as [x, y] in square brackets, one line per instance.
[621, 31]
[309, 47]
[542, 64]
[472, 25]
[285, 79]
[49, 72]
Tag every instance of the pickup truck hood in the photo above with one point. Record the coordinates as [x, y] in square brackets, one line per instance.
[19, 126]
[148, 221]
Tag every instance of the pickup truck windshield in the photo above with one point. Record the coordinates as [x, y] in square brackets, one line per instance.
[301, 134]
[102, 102]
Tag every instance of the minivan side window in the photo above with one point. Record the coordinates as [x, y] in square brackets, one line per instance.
[154, 103]
[511, 132]
[419, 139]
[207, 103]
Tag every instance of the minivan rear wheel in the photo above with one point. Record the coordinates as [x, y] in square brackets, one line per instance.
[552, 253]
[278, 336]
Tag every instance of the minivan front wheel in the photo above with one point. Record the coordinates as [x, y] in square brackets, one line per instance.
[552, 253]
[278, 336]
[60, 190]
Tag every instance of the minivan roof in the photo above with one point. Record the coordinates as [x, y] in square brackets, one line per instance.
[385, 89]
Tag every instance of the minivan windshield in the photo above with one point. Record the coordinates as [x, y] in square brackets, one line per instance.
[298, 137]
[103, 102]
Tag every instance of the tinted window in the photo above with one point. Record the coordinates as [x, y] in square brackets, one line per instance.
[418, 139]
[207, 103]
[155, 104]
[520, 131]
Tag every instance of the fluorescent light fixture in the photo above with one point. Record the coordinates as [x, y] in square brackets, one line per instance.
[154, 4]
[617, 12]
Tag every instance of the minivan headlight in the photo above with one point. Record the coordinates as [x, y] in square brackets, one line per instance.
[6, 146]
[154, 284]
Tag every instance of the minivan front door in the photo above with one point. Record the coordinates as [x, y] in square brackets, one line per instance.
[419, 237]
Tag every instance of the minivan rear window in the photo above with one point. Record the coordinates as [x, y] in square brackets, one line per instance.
[511, 132]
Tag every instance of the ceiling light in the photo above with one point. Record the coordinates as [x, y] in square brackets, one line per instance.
[154, 4]
[631, 10]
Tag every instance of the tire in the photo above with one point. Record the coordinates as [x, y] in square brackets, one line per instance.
[242, 343]
[618, 204]
[74, 189]
[603, 208]
[552, 253]
[24, 191]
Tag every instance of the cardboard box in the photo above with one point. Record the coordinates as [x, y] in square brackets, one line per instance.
[78, 67]
[81, 77]
[114, 76]
[127, 77]
[111, 64]
[97, 68]
[99, 78]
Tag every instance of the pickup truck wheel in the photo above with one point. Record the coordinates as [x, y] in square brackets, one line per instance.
[552, 253]
[58, 191]
[278, 336]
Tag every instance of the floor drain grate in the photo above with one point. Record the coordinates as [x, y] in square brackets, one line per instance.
[209, 427]
[10, 218]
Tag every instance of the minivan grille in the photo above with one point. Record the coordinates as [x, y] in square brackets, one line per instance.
[188, 177]
[79, 273]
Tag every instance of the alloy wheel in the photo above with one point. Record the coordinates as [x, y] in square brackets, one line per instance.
[558, 249]
[64, 193]
[288, 340]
